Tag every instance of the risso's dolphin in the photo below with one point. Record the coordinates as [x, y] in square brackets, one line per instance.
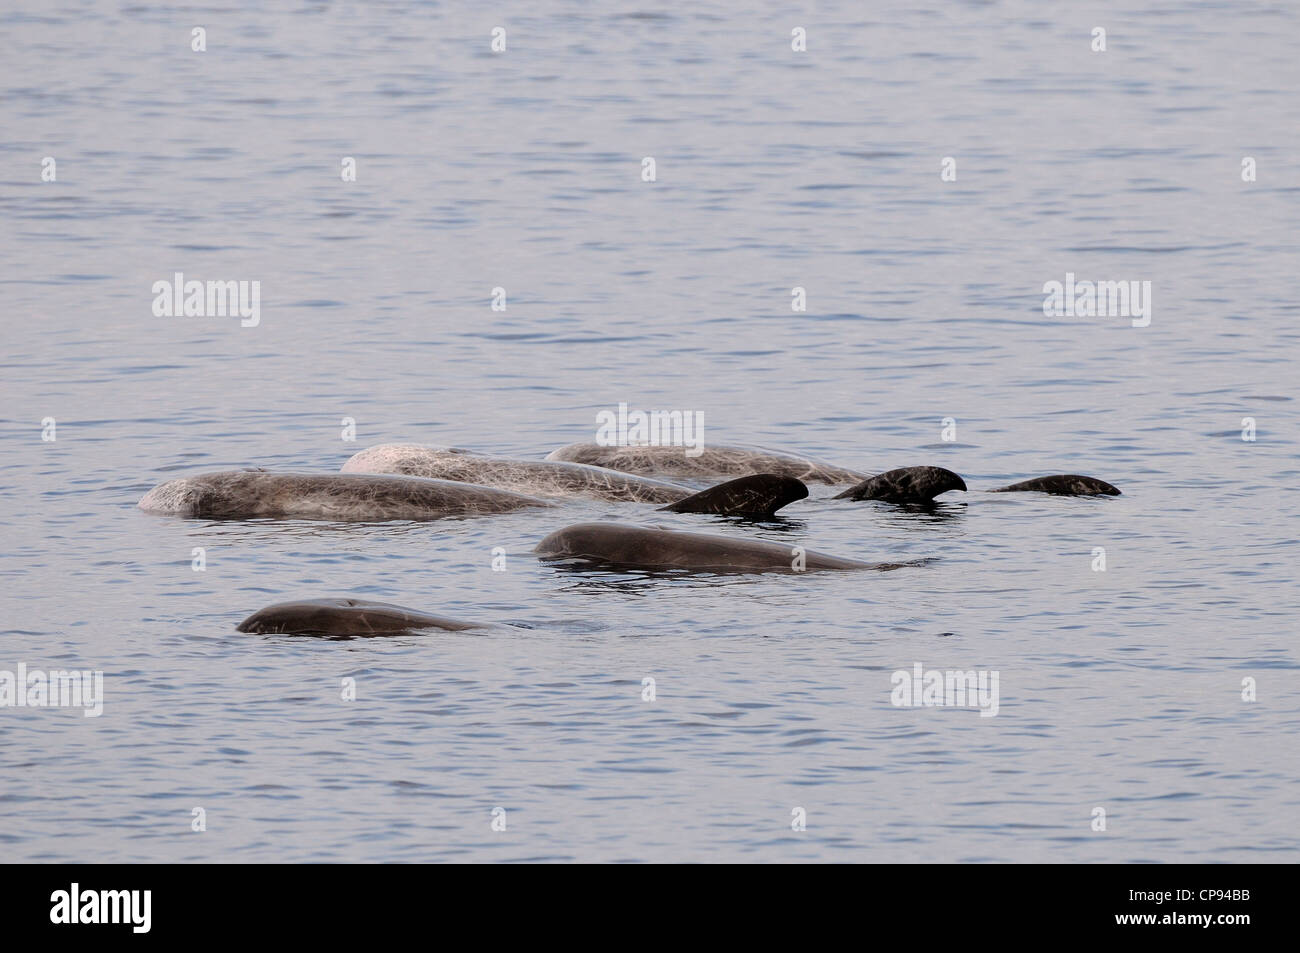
[639, 547]
[542, 477]
[345, 618]
[1065, 484]
[905, 485]
[251, 494]
[370, 497]
[712, 462]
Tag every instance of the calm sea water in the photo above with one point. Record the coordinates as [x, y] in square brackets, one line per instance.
[775, 169]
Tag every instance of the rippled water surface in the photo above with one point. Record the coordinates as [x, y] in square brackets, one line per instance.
[776, 169]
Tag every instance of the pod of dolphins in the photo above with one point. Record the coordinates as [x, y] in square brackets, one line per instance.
[413, 482]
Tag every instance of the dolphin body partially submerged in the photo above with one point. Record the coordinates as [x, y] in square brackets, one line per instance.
[641, 547]
[1064, 484]
[710, 463]
[254, 494]
[540, 477]
[345, 618]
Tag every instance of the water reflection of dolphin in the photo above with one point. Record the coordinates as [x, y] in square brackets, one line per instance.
[640, 547]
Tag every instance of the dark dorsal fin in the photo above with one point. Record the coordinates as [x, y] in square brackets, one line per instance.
[761, 494]
[1065, 484]
[905, 485]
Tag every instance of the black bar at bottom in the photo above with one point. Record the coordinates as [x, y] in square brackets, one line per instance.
[946, 904]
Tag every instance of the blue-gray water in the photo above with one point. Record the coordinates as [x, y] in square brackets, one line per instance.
[1120, 690]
